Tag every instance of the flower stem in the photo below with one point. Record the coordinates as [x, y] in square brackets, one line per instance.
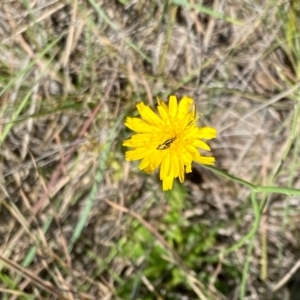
[253, 187]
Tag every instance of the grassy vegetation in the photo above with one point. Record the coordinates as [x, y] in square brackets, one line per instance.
[79, 222]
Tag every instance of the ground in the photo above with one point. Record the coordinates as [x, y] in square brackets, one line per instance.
[77, 221]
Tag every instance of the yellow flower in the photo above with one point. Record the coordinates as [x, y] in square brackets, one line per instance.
[169, 140]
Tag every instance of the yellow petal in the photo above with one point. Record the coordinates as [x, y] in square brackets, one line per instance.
[135, 154]
[201, 145]
[165, 167]
[184, 107]
[187, 159]
[172, 106]
[188, 168]
[206, 133]
[181, 171]
[174, 166]
[148, 115]
[144, 164]
[163, 111]
[162, 104]
[139, 140]
[139, 125]
[151, 161]
[205, 160]
[168, 183]
[156, 161]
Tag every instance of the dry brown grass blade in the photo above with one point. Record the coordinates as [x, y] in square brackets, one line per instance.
[70, 37]
[62, 238]
[44, 285]
[56, 174]
[286, 277]
[210, 28]
[46, 15]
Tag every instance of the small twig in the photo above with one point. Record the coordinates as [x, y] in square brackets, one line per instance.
[287, 277]
[45, 285]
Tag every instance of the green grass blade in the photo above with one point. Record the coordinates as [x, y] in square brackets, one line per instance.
[99, 176]
[19, 109]
[21, 73]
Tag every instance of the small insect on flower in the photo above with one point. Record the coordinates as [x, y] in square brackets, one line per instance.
[176, 121]
[166, 144]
